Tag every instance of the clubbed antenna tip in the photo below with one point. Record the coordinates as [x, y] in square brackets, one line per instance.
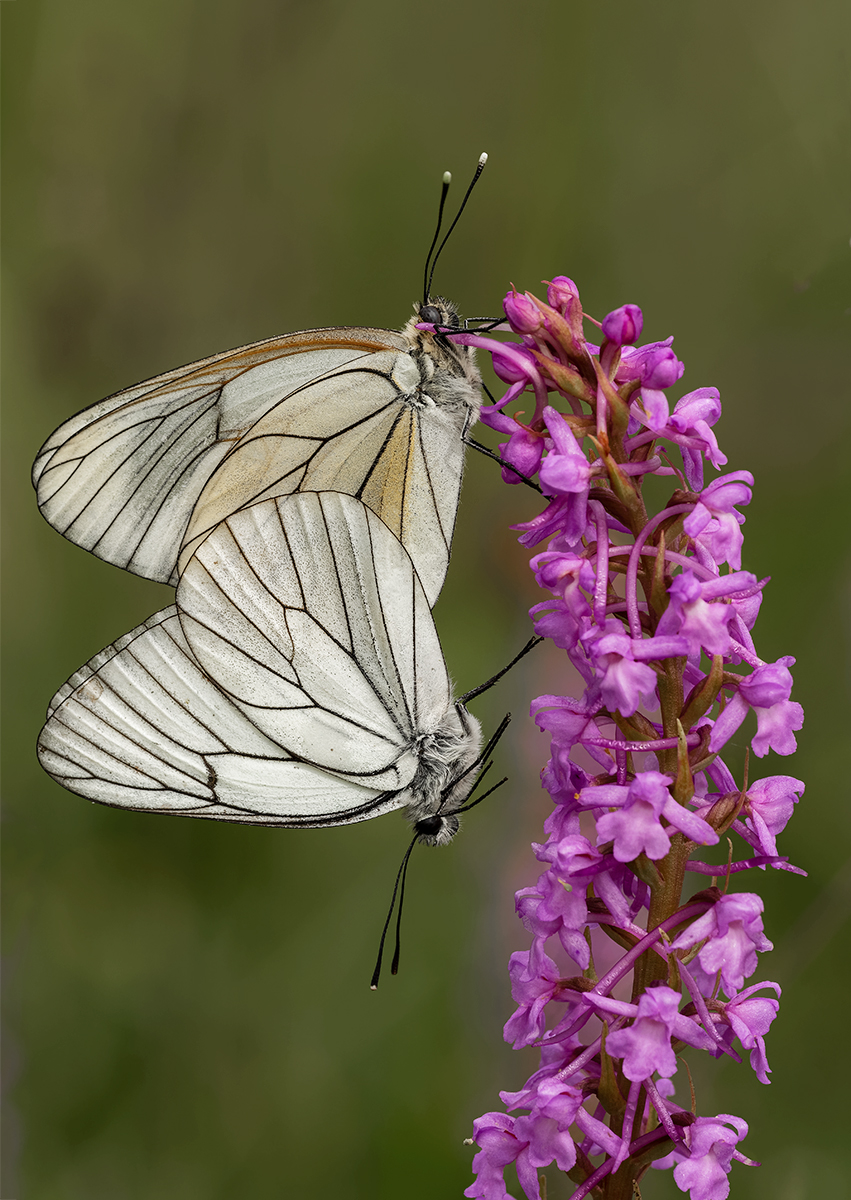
[431, 263]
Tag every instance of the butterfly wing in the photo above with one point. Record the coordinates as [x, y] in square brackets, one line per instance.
[143, 477]
[308, 612]
[368, 429]
[141, 726]
[121, 478]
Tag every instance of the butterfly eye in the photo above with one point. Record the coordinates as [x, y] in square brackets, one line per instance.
[429, 826]
[430, 314]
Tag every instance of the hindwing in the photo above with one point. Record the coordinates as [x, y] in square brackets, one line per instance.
[309, 613]
[142, 727]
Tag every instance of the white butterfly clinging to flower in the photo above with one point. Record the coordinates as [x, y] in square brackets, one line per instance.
[299, 681]
[301, 493]
[141, 478]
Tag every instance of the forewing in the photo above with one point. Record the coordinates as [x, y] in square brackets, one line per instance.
[414, 486]
[337, 424]
[122, 478]
[367, 430]
[308, 612]
[141, 727]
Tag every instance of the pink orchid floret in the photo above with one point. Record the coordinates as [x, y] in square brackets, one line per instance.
[766, 690]
[565, 515]
[768, 806]
[523, 450]
[693, 615]
[690, 427]
[656, 367]
[645, 1045]
[621, 680]
[565, 470]
[637, 827]
[535, 980]
[732, 934]
[562, 294]
[498, 1147]
[750, 1017]
[715, 520]
[712, 1148]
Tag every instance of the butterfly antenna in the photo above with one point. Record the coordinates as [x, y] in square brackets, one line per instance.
[447, 179]
[451, 786]
[397, 950]
[484, 796]
[485, 754]
[483, 158]
[495, 737]
[483, 687]
[400, 875]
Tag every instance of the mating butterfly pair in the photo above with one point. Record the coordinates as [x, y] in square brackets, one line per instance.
[301, 493]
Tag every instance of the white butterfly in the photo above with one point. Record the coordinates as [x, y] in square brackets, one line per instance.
[299, 681]
[141, 478]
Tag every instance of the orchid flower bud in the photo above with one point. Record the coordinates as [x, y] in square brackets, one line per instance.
[623, 326]
[523, 315]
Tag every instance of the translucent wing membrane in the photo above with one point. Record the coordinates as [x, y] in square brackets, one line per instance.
[142, 727]
[141, 478]
[308, 611]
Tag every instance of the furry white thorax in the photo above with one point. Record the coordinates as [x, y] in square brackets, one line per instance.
[443, 780]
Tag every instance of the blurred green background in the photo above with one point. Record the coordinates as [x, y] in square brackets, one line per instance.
[187, 1007]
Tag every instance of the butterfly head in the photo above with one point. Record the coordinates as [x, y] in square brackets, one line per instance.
[445, 776]
[437, 830]
[441, 313]
[448, 370]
